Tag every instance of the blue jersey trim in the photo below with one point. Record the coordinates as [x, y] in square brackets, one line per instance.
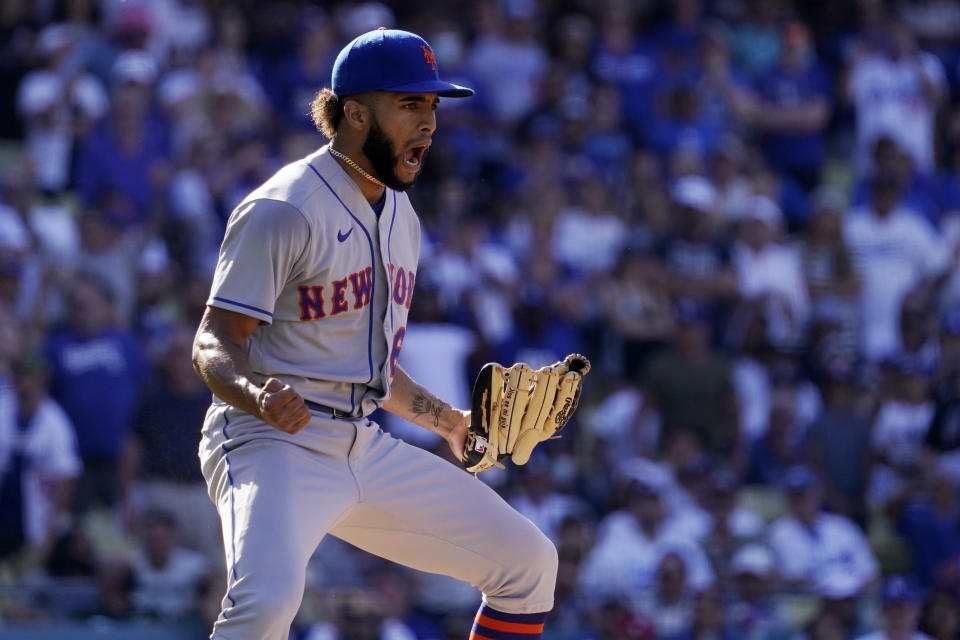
[233, 549]
[390, 257]
[240, 304]
[373, 272]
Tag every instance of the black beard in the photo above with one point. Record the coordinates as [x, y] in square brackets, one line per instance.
[380, 152]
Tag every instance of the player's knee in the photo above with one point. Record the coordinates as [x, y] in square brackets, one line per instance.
[277, 605]
[534, 571]
[544, 555]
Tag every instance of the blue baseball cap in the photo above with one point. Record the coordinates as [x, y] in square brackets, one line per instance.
[897, 589]
[798, 478]
[390, 60]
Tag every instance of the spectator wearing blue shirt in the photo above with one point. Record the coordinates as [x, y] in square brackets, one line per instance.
[294, 81]
[623, 61]
[756, 39]
[606, 144]
[792, 109]
[927, 516]
[97, 372]
[683, 124]
[948, 186]
[680, 39]
[128, 152]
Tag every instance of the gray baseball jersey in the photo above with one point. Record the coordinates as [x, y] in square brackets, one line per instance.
[306, 249]
[331, 284]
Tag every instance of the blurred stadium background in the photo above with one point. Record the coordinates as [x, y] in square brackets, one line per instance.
[747, 212]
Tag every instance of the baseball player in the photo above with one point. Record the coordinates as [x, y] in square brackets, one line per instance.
[300, 342]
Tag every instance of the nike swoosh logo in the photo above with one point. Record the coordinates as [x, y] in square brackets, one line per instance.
[341, 236]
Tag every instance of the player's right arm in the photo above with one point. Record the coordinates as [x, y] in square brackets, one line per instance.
[261, 248]
[220, 359]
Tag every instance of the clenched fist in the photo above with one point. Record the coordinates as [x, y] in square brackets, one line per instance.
[281, 407]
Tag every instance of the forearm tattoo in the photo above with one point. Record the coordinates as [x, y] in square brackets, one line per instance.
[424, 405]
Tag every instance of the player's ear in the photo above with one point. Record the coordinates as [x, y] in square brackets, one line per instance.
[356, 114]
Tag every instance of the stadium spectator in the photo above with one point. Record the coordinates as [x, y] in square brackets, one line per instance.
[727, 525]
[632, 541]
[920, 191]
[754, 613]
[814, 547]
[896, 89]
[691, 388]
[838, 443]
[709, 617]
[697, 263]
[170, 581]
[828, 265]
[899, 430]
[791, 109]
[508, 59]
[39, 464]
[925, 513]
[899, 611]
[769, 273]
[940, 618]
[942, 442]
[293, 84]
[637, 309]
[727, 172]
[128, 152]
[895, 250]
[58, 103]
[625, 61]
[779, 448]
[159, 467]
[588, 236]
[97, 370]
[669, 603]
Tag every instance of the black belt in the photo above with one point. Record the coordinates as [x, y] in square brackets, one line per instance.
[336, 414]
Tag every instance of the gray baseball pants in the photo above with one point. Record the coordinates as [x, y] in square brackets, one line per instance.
[279, 494]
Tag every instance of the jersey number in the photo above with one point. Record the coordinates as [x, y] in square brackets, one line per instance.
[395, 351]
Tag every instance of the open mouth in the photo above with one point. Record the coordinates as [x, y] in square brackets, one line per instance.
[413, 156]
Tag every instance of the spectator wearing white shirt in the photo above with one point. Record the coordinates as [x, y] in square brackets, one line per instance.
[899, 430]
[711, 514]
[895, 249]
[38, 461]
[896, 90]
[899, 611]
[754, 614]
[171, 581]
[58, 105]
[508, 59]
[588, 237]
[669, 604]
[632, 541]
[811, 545]
[769, 273]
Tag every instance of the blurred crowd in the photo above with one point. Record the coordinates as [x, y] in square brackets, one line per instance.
[746, 212]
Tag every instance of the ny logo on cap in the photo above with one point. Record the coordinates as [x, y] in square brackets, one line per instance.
[428, 56]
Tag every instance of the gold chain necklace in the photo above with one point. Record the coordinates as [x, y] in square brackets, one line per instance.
[356, 167]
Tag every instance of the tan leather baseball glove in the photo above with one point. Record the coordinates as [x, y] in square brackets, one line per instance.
[514, 409]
